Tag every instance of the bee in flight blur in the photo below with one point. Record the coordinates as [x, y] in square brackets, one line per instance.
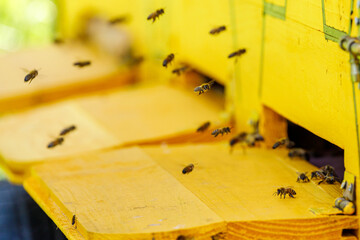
[238, 53]
[57, 141]
[81, 64]
[67, 130]
[283, 141]
[155, 14]
[221, 131]
[31, 75]
[204, 87]
[217, 30]
[299, 152]
[178, 71]
[188, 169]
[282, 191]
[118, 20]
[168, 59]
[203, 127]
[73, 221]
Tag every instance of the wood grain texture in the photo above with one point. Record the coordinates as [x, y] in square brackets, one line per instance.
[120, 118]
[138, 193]
[121, 194]
[57, 78]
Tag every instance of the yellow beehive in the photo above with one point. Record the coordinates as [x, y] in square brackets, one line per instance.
[293, 69]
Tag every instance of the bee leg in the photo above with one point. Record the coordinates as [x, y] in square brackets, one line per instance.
[291, 195]
[320, 182]
[297, 180]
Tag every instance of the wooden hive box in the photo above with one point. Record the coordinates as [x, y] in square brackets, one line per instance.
[293, 69]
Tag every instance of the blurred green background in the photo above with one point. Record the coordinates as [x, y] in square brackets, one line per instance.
[27, 23]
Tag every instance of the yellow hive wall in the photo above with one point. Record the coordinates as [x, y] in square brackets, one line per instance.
[293, 63]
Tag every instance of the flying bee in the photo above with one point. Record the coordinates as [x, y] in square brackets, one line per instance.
[282, 191]
[237, 139]
[73, 221]
[222, 131]
[238, 53]
[317, 175]
[168, 59]
[204, 87]
[31, 75]
[188, 169]
[155, 14]
[283, 141]
[203, 127]
[299, 152]
[252, 138]
[58, 41]
[328, 178]
[178, 71]
[302, 177]
[81, 64]
[217, 30]
[57, 141]
[118, 20]
[67, 130]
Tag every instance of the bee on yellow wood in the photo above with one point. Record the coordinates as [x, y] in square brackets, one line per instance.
[299, 152]
[203, 127]
[302, 177]
[317, 175]
[155, 14]
[238, 53]
[328, 178]
[31, 75]
[168, 59]
[327, 169]
[81, 64]
[222, 131]
[283, 141]
[204, 87]
[188, 169]
[73, 221]
[178, 71]
[182, 237]
[217, 30]
[57, 141]
[67, 130]
[282, 191]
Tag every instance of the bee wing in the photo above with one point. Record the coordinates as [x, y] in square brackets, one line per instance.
[25, 70]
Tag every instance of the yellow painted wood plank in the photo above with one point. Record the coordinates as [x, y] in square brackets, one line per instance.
[127, 117]
[121, 194]
[239, 187]
[57, 78]
[141, 194]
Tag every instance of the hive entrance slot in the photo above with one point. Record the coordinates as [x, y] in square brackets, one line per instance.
[321, 152]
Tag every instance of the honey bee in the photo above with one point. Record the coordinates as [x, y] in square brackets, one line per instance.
[317, 175]
[217, 30]
[327, 169]
[188, 169]
[67, 130]
[282, 191]
[302, 177]
[204, 87]
[237, 139]
[56, 142]
[168, 59]
[221, 131]
[155, 14]
[118, 20]
[238, 53]
[178, 71]
[81, 64]
[31, 75]
[73, 221]
[299, 152]
[328, 178]
[203, 127]
[283, 141]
